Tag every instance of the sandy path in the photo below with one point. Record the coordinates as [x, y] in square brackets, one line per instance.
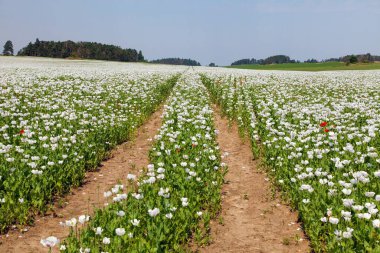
[251, 220]
[126, 158]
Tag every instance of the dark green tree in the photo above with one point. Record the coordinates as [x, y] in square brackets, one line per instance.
[140, 56]
[353, 59]
[212, 64]
[8, 48]
[84, 50]
[177, 61]
[245, 61]
[277, 59]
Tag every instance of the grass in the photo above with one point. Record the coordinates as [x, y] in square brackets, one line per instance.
[325, 66]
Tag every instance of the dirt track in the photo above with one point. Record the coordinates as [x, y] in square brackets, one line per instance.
[251, 220]
[129, 157]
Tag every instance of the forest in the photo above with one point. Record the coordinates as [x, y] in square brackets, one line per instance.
[177, 61]
[81, 50]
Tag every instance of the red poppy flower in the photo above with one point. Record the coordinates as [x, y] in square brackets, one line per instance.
[326, 130]
[22, 131]
[323, 124]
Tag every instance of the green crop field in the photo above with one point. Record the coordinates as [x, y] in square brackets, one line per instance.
[325, 66]
[314, 137]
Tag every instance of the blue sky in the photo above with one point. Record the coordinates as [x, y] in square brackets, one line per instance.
[219, 31]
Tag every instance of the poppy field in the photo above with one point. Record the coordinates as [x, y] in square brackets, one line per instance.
[179, 190]
[53, 129]
[315, 134]
[318, 136]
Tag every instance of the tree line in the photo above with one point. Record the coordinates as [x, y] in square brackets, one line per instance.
[279, 59]
[177, 61]
[363, 58]
[82, 50]
[99, 51]
[88, 50]
[275, 59]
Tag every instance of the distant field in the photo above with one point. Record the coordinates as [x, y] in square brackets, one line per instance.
[326, 66]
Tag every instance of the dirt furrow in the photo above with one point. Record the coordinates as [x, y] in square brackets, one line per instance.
[128, 157]
[252, 220]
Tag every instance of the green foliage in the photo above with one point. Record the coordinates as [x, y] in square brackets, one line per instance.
[276, 59]
[328, 171]
[177, 61]
[323, 66]
[83, 50]
[69, 126]
[362, 58]
[246, 62]
[283, 59]
[182, 184]
[8, 48]
[140, 56]
[353, 59]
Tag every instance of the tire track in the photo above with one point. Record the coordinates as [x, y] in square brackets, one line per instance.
[128, 157]
[251, 220]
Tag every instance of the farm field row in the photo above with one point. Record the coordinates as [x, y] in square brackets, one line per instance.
[54, 129]
[179, 190]
[317, 135]
[319, 138]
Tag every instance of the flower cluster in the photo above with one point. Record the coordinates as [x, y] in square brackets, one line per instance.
[176, 192]
[55, 124]
[319, 135]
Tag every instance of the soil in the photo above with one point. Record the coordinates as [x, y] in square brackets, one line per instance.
[253, 219]
[128, 157]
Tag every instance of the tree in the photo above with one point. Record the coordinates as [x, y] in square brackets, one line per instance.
[245, 61]
[311, 61]
[353, 59]
[366, 58]
[140, 56]
[177, 61]
[212, 64]
[85, 50]
[8, 48]
[277, 59]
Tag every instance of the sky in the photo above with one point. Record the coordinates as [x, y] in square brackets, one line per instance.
[219, 31]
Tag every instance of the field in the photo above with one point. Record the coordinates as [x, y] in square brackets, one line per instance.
[324, 66]
[241, 160]
[319, 137]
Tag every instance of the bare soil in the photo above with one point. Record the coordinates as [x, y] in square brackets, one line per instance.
[128, 157]
[253, 219]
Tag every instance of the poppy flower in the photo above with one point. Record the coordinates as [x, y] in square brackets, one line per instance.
[323, 124]
[22, 131]
[326, 130]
